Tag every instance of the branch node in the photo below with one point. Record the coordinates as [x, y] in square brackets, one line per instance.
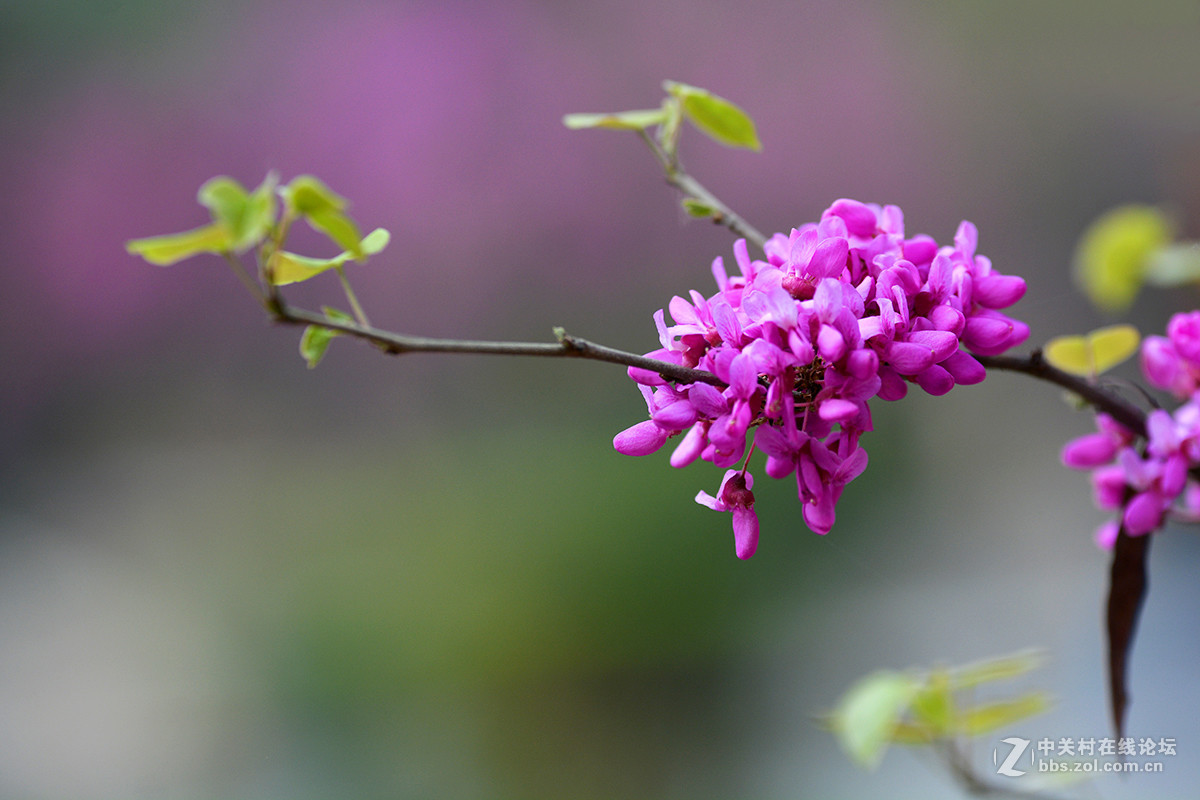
[569, 342]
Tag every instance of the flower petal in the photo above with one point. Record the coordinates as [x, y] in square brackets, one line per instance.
[1106, 534]
[820, 515]
[999, 291]
[908, 358]
[675, 417]
[859, 218]
[1089, 452]
[640, 440]
[707, 500]
[935, 380]
[708, 400]
[838, 410]
[964, 368]
[1144, 513]
[942, 344]
[745, 532]
[691, 446]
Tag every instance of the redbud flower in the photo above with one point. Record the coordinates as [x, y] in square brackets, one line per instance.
[735, 495]
[1152, 484]
[837, 313]
[1173, 362]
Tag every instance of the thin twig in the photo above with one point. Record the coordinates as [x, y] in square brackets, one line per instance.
[567, 347]
[724, 214]
[359, 314]
[960, 767]
[681, 180]
[1126, 414]
[240, 270]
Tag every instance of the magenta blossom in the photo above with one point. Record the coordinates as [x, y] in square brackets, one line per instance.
[735, 495]
[1152, 484]
[838, 312]
[1173, 362]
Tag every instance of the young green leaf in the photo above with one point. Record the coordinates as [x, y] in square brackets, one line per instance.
[1001, 668]
[621, 120]
[668, 132]
[284, 267]
[305, 194]
[1174, 265]
[869, 713]
[375, 241]
[246, 217]
[308, 197]
[933, 704]
[173, 247]
[715, 116]
[260, 213]
[340, 228]
[992, 716]
[1094, 353]
[314, 342]
[315, 339]
[225, 198]
[697, 208]
[240, 220]
[913, 734]
[1113, 254]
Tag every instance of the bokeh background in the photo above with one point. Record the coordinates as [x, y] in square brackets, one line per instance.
[225, 575]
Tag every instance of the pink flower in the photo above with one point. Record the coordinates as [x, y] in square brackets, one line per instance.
[1184, 332]
[735, 495]
[1095, 449]
[1147, 486]
[1173, 362]
[837, 313]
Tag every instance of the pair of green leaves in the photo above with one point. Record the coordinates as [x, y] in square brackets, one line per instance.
[1091, 354]
[307, 197]
[242, 219]
[715, 116]
[889, 707]
[1128, 247]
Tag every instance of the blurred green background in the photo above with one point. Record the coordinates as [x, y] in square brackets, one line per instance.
[225, 575]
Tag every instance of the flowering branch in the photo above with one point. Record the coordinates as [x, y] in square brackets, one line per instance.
[569, 346]
[785, 357]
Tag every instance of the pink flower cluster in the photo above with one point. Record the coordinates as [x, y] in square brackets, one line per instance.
[839, 312]
[1152, 484]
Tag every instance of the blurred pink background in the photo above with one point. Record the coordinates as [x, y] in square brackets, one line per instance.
[222, 574]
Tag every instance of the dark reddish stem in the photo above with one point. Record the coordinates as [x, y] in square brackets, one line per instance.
[1034, 365]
